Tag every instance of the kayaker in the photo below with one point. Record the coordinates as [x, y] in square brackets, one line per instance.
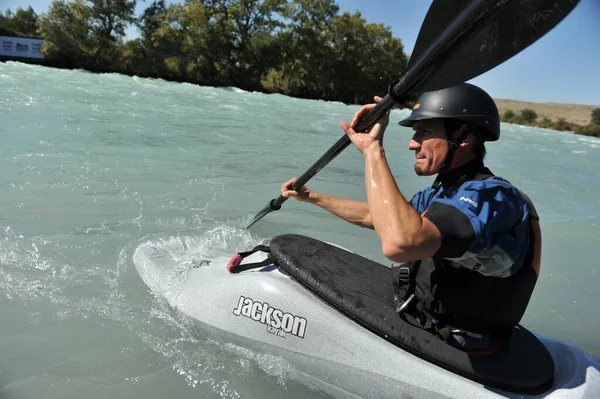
[467, 249]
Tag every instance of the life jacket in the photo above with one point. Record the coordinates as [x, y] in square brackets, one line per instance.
[432, 293]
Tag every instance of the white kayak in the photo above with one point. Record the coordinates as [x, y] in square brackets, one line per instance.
[266, 310]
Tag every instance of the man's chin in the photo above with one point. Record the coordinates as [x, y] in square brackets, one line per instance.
[423, 172]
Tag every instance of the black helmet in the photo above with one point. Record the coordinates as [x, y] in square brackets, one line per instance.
[464, 102]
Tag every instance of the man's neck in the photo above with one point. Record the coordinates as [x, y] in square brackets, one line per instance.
[467, 169]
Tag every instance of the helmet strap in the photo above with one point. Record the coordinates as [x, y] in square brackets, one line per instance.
[453, 145]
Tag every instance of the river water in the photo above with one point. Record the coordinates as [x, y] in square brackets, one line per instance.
[91, 166]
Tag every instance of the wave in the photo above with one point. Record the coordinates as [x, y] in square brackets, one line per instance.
[589, 139]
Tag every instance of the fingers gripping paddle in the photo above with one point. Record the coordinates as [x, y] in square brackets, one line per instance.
[459, 40]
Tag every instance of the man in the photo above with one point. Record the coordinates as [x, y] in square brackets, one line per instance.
[469, 246]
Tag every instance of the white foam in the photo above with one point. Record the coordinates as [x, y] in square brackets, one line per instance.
[589, 139]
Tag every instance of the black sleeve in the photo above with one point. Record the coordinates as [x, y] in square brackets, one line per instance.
[532, 210]
[455, 227]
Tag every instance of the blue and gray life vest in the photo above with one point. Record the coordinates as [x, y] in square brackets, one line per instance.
[482, 284]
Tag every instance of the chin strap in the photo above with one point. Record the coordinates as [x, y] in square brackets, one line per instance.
[453, 145]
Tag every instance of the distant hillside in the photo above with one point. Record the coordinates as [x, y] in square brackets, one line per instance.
[574, 113]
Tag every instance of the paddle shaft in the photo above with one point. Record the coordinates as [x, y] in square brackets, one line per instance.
[452, 37]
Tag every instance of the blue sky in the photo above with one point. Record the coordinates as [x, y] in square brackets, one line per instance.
[563, 66]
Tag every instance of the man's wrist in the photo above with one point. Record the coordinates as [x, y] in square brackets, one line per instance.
[312, 198]
[375, 150]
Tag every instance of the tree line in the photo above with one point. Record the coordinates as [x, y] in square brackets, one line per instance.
[529, 117]
[301, 48]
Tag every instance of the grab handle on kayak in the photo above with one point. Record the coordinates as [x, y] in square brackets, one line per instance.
[235, 261]
[234, 265]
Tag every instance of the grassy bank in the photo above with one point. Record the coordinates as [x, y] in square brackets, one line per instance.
[576, 118]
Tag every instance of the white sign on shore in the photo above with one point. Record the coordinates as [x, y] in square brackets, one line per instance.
[22, 47]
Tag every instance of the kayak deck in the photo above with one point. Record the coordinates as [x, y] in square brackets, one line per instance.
[362, 290]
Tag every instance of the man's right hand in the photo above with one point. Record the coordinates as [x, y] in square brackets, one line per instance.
[288, 192]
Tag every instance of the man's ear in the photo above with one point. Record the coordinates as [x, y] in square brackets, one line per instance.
[467, 140]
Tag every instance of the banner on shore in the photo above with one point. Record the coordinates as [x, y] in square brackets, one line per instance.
[21, 47]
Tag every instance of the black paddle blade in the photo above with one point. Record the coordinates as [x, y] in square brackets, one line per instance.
[516, 24]
[272, 206]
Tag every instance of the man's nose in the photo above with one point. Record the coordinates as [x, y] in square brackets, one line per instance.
[413, 144]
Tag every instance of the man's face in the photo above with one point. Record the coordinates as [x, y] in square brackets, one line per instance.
[430, 146]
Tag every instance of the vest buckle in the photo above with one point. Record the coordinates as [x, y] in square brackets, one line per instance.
[404, 274]
[405, 304]
[402, 290]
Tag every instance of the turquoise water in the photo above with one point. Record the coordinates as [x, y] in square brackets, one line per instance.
[93, 165]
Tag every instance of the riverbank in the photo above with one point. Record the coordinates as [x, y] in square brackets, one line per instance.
[576, 118]
[572, 113]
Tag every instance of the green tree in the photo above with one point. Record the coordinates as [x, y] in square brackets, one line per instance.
[182, 40]
[108, 21]
[23, 22]
[143, 56]
[65, 28]
[528, 116]
[252, 24]
[4, 25]
[151, 20]
[306, 54]
[5, 28]
[563, 125]
[546, 123]
[589, 130]
[158, 51]
[89, 33]
[508, 116]
[365, 58]
[215, 42]
[596, 116]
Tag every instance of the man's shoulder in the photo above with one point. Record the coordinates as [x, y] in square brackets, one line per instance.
[497, 188]
[488, 183]
[494, 189]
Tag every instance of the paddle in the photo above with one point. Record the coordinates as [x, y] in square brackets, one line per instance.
[459, 40]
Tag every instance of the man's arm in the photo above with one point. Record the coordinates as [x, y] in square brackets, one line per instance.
[404, 234]
[355, 212]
